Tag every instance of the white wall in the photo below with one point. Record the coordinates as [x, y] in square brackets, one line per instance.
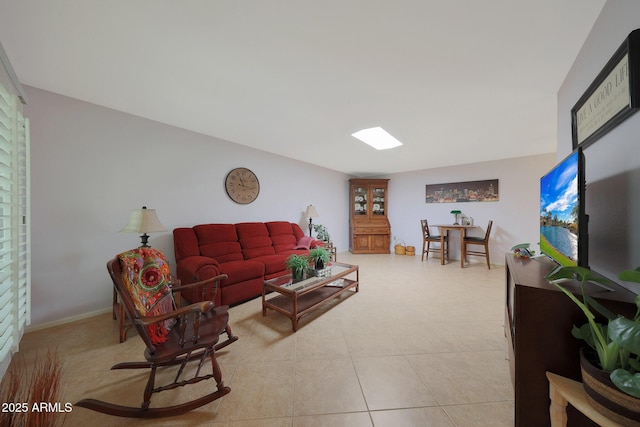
[515, 215]
[91, 166]
[612, 162]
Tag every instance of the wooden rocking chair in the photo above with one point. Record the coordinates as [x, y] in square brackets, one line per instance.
[192, 335]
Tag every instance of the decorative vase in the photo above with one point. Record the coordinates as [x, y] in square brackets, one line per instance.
[604, 396]
[297, 274]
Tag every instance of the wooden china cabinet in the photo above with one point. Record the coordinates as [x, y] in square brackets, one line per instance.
[369, 229]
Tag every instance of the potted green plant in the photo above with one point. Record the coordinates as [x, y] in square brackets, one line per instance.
[297, 264]
[320, 257]
[617, 343]
[321, 232]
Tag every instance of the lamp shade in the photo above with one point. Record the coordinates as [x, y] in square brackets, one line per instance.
[311, 212]
[455, 212]
[143, 221]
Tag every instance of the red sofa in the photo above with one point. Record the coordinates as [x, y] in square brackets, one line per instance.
[247, 252]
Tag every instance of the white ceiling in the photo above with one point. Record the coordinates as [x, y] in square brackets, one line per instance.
[457, 81]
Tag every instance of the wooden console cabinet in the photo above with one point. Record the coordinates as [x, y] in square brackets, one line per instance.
[369, 229]
[538, 321]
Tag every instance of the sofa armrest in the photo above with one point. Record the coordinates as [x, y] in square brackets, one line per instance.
[317, 244]
[195, 268]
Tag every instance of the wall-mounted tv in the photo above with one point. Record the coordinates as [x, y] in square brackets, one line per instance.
[563, 223]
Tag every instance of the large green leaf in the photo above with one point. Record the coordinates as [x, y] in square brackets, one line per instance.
[567, 273]
[627, 382]
[599, 307]
[601, 344]
[625, 332]
[609, 356]
[630, 275]
[584, 333]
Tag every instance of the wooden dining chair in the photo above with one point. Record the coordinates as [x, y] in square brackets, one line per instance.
[173, 335]
[479, 241]
[428, 238]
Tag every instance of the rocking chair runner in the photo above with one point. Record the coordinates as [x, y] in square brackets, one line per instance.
[176, 337]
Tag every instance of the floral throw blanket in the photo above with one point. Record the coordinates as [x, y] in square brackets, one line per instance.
[146, 275]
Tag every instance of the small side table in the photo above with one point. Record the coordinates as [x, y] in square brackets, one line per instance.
[333, 254]
[564, 390]
[332, 251]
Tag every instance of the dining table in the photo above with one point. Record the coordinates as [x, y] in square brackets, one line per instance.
[444, 231]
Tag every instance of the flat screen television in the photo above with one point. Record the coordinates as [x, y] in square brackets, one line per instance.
[563, 222]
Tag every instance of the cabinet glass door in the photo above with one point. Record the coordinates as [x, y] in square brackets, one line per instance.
[360, 201]
[378, 202]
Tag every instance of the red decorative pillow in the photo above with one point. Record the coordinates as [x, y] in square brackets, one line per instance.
[304, 243]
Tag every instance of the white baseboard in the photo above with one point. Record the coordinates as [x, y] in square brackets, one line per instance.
[33, 328]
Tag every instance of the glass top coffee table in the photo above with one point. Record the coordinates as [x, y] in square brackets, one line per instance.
[295, 299]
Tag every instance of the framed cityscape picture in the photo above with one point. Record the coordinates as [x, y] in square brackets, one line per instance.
[467, 191]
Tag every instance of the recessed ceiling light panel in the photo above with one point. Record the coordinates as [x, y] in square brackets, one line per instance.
[377, 137]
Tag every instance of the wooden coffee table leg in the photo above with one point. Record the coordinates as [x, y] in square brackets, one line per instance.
[294, 315]
[264, 309]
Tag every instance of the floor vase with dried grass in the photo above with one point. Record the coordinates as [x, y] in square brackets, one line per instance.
[30, 389]
[604, 396]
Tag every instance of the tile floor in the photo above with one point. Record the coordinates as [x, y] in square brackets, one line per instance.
[420, 345]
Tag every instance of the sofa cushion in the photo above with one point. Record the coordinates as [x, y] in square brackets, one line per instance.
[277, 228]
[223, 252]
[254, 240]
[272, 263]
[282, 236]
[283, 242]
[185, 243]
[287, 254]
[257, 247]
[240, 271]
[241, 291]
[215, 233]
[251, 229]
[219, 241]
[297, 231]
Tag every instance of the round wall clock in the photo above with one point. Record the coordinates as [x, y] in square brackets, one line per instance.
[242, 185]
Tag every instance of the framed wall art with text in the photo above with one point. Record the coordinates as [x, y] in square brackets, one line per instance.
[613, 96]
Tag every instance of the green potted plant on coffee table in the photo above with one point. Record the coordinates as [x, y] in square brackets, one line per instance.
[298, 264]
[319, 257]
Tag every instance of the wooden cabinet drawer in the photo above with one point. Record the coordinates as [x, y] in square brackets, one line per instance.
[371, 230]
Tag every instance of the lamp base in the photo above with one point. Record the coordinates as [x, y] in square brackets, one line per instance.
[310, 226]
[145, 241]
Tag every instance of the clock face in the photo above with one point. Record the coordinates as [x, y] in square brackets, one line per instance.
[242, 185]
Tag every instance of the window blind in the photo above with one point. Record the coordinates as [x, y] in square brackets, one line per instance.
[15, 254]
